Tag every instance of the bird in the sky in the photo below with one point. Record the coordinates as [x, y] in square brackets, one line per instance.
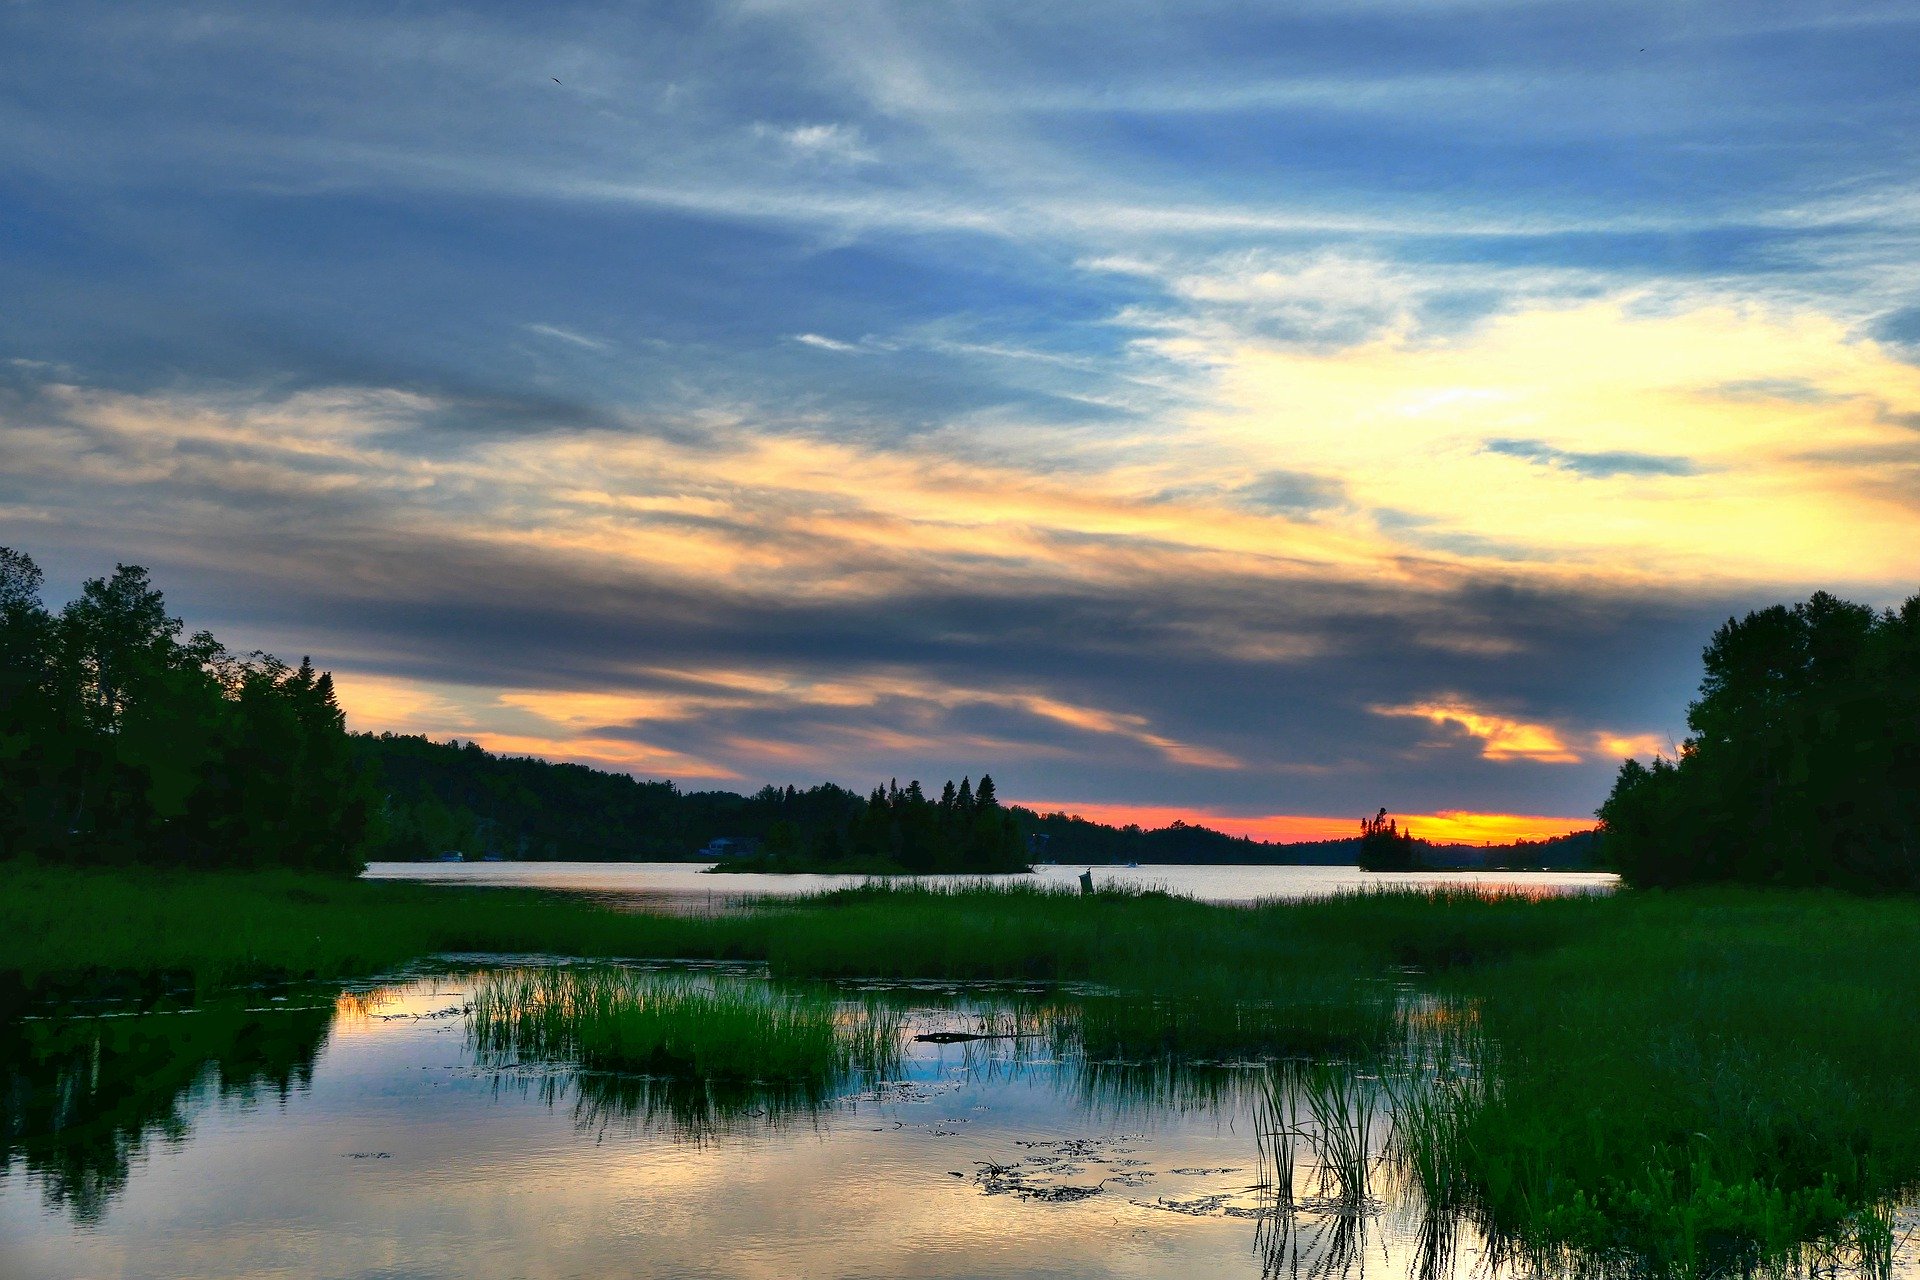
[555, 79]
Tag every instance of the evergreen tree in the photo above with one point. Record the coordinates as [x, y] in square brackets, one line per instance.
[1385, 847]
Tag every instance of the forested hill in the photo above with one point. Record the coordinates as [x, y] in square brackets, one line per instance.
[436, 797]
[447, 796]
[1066, 838]
[439, 796]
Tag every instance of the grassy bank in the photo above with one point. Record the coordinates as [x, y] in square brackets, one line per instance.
[213, 929]
[1710, 1080]
[1686, 1081]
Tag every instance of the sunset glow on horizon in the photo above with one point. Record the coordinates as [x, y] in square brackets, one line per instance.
[1291, 828]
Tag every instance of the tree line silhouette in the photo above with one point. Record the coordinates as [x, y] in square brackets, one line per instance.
[125, 740]
[965, 830]
[1803, 762]
[1384, 845]
[121, 740]
[456, 796]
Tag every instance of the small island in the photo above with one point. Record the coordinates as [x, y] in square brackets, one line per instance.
[895, 831]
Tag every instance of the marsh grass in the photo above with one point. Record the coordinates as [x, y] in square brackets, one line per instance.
[1461, 1152]
[1327, 1115]
[1720, 1084]
[613, 1019]
[1437, 1089]
[696, 1056]
[213, 929]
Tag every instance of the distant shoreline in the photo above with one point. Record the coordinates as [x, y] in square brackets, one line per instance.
[750, 866]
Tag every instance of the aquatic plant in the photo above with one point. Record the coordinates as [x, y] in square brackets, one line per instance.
[610, 1018]
[1328, 1112]
[1436, 1091]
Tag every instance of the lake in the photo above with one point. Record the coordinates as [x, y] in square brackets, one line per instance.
[394, 1130]
[489, 1117]
[684, 886]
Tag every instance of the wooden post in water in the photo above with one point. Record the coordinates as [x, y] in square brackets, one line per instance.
[1086, 881]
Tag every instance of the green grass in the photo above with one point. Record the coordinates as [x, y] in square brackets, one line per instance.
[1686, 1083]
[1711, 1081]
[216, 929]
[699, 1057]
[613, 1019]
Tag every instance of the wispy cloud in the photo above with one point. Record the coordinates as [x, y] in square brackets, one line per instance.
[569, 335]
[839, 143]
[1498, 737]
[1503, 737]
[1601, 466]
[825, 343]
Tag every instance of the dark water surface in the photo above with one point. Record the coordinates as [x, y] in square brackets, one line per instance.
[366, 1132]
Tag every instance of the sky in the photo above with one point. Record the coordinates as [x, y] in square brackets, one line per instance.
[1251, 414]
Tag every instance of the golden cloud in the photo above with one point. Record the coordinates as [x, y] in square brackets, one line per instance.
[1623, 440]
[1500, 737]
[1506, 738]
[1614, 444]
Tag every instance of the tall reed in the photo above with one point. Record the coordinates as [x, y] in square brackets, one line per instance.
[617, 1019]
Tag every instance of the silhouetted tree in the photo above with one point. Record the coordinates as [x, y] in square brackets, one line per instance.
[1385, 847]
[1803, 764]
[121, 741]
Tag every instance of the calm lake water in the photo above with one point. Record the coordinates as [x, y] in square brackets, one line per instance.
[390, 1130]
[683, 886]
[367, 1131]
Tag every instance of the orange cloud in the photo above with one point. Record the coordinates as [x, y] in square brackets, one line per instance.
[1638, 745]
[1501, 737]
[1505, 738]
[616, 753]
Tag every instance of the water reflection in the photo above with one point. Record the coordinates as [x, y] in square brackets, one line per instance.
[85, 1096]
[446, 1126]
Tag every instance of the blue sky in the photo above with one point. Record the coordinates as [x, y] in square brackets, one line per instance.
[1250, 410]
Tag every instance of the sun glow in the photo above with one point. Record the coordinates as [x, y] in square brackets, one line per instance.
[1447, 826]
